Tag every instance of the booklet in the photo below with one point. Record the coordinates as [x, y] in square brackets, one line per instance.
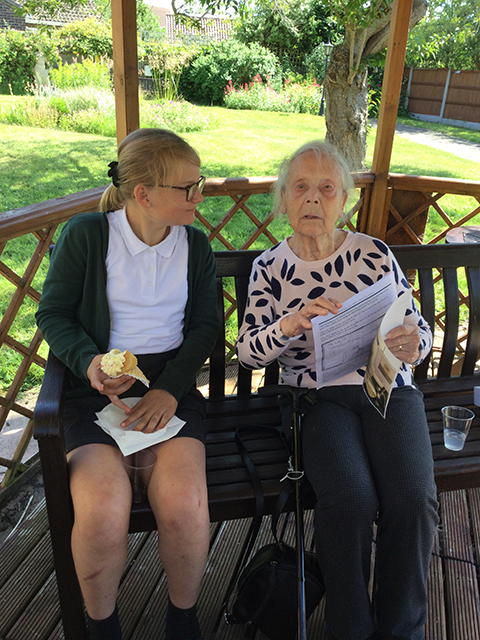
[354, 338]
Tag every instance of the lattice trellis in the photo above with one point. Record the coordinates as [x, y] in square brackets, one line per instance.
[42, 220]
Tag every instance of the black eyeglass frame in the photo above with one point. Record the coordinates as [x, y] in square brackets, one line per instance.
[191, 190]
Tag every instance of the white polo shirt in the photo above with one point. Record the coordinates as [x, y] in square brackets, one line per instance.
[147, 288]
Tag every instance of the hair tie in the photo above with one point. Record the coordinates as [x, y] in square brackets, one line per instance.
[113, 173]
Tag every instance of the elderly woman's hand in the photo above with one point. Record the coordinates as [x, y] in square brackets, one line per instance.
[297, 323]
[404, 342]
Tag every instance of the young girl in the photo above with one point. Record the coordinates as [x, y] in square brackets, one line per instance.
[136, 277]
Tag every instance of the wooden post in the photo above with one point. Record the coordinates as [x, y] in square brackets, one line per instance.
[376, 224]
[125, 66]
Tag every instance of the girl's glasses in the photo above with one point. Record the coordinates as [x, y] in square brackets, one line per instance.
[191, 190]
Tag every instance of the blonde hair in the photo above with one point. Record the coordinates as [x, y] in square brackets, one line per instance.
[323, 151]
[147, 156]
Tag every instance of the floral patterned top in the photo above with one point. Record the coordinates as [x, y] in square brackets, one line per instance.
[280, 283]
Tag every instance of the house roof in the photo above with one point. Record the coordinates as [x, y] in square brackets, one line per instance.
[211, 27]
[64, 15]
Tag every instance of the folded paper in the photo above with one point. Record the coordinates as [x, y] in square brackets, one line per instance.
[130, 441]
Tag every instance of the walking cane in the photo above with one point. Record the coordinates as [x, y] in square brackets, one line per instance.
[295, 474]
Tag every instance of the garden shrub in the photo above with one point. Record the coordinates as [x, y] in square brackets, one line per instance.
[167, 61]
[18, 55]
[87, 73]
[181, 117]
[87, 38]
[294, 97]
[205, 79]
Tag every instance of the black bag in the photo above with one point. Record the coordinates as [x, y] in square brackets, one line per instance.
[267, 591]
[267, 587]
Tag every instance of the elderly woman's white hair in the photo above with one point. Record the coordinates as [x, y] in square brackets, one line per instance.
[323, 151]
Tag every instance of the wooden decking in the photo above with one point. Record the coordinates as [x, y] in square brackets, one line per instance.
[29, 608]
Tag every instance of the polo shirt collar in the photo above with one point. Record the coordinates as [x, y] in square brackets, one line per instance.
[135, 246]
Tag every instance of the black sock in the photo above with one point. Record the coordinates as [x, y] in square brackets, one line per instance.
[182, 624]
[107, 629]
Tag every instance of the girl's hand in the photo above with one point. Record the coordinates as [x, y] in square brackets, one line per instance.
[297, 323]
[111, 387]
[404, 342]
[153, 411]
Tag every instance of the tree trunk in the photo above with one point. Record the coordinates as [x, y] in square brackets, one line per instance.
[346, 109]
[346, 104]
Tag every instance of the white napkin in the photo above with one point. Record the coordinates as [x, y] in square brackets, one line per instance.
[130, 441]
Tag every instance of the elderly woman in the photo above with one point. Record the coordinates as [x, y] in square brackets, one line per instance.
[364, 469]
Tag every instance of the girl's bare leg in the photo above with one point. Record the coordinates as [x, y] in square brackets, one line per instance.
[102, 498]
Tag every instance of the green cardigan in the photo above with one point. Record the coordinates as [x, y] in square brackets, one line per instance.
[73, 313]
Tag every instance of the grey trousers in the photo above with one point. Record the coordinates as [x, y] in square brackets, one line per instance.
[367, 469]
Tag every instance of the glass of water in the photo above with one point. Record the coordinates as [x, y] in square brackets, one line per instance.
[456, 424]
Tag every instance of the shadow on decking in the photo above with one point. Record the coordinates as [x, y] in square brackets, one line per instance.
[29, 608]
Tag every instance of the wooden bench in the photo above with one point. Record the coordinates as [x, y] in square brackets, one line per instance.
[230, 491]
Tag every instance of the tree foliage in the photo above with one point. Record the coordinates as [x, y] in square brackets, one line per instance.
[292, 27]
[448, 37]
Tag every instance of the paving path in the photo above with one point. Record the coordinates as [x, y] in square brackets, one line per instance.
[458, 146]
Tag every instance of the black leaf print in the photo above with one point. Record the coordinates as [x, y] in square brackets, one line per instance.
[369, 263]
[339, 266]
[291, 271]
[372, 254]
[399, 380]
[298, 367]
[405, 283]
[408, 312]
[328, 268]
[316, 276]
[294, 303]
[252, 348]
[313, 375]
[241, 339]
[261, 263]
[356, 255]
[303, 355]
[262, 302]
[269, 342]
[351, 286]
[297, 282]
[303, 337]
[381, 246]
[259, 346]
[268, 290]
[348, 256]
[385, 268]
[283, 271]
[250, 319]
[395, 271]
[299, 380]
[276, 289]
[254, 333]
[379, 277]
[256, 292]
[335, 284]
[266, 320]
[361, 372]
[277, 343]
[316, 293]
[365, 279]
[271, 261]
[255, 276]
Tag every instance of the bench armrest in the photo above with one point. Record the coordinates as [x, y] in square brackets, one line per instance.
[49, 403]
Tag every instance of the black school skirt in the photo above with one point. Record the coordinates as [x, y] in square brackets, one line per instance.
[79, 414]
